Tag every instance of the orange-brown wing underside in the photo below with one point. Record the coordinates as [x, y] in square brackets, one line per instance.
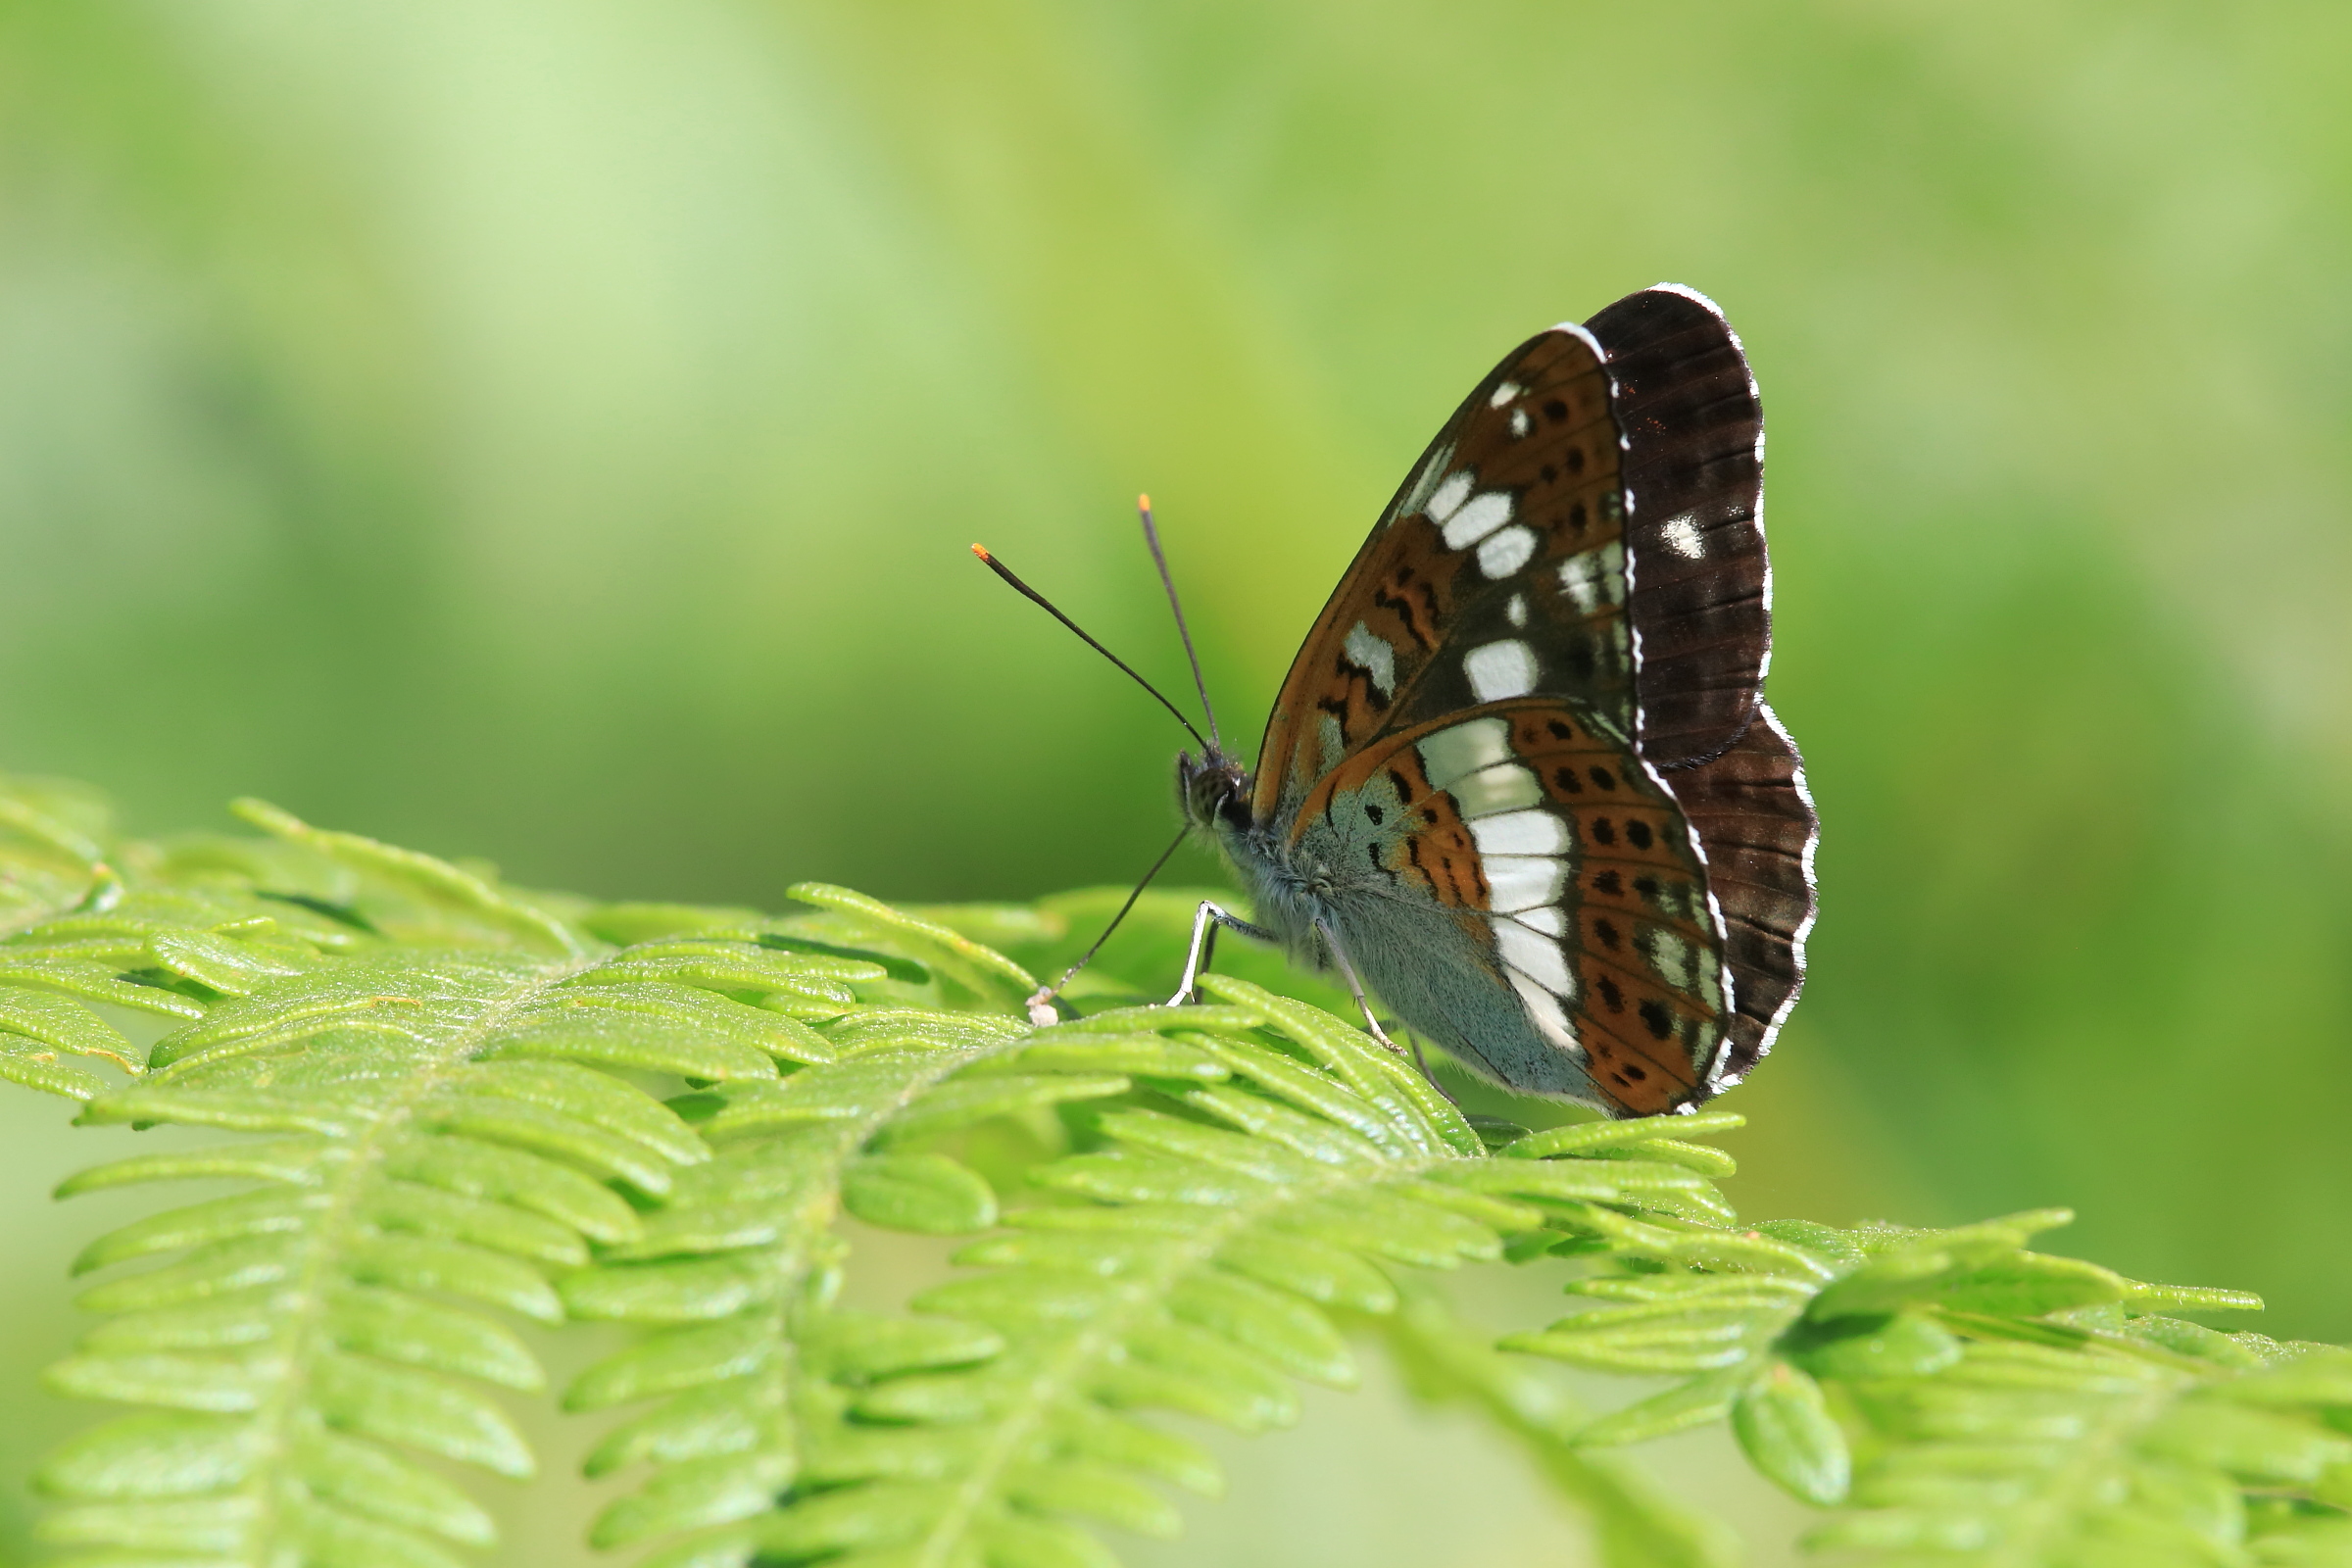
[1522, 478]
[1579, 863]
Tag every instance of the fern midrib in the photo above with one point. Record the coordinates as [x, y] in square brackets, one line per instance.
[855, 1133]
[338, 1222]
[794, 1255]
[1105, 1332]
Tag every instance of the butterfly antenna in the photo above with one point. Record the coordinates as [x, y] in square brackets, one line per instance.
[1047, 605]
[1041, 1005]
[1143, 507]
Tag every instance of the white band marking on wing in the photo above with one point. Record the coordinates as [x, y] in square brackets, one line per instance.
[1464, 748]
[1447, 497]
[1498, 670]
[1478, 516]
[1504, 787]
[1520, 833]
[1516, 882]
[1502, 553]
[1372, 654]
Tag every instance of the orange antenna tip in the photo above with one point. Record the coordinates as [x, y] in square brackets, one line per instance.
[1142, 503]
[982, 551]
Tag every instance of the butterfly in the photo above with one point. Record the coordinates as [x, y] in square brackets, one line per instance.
[1520, 783]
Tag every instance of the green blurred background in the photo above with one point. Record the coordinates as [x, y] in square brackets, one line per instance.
[550, 432]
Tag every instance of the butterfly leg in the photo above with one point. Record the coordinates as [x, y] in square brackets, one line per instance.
[1356, 988]
[1421, 1061]
[1205, 921]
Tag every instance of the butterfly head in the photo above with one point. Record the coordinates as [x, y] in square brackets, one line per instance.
[1213, 790]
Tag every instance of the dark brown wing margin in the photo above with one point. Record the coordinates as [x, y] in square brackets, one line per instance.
[1755, 820]
[1701, 602]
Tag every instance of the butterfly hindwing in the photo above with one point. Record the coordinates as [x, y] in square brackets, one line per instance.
[1530, 844]
[1754, 817]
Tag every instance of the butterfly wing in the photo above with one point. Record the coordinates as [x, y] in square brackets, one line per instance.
[1516, 886]
[1694, 470]
[1585, 535]
[1588, 524]
[1754, 818]
[1523, 478]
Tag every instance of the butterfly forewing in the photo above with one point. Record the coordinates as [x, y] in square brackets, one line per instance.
[1702, 601]
[1505, 540]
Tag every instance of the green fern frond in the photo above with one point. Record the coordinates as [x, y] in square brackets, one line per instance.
[1635, 1522]
[2106, 1440]
[454, 1104]
[54, 839]
[1968, 1400]
[1238, 1171]
[443, 1130]
[736, 1268]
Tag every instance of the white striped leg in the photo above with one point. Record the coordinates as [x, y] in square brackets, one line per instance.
[1356, 988]
[1205, 921]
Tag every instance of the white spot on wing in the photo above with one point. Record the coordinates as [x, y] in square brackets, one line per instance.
[1516, 610]
[1533, 955]
[1448, 497]
[1498, 670]
[1594, 577]
[1374, 655]
[1432, 467]
[1681, 536]
[1519, 425]
[1549, 918]
[1503, 394]
[1464, 748]
[1504, 787]
[1517, 882]
[1502, 554]
[1520, 833]
[1334, 743]
[1671, 956]
[1475, 518]
[1545, 1012]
